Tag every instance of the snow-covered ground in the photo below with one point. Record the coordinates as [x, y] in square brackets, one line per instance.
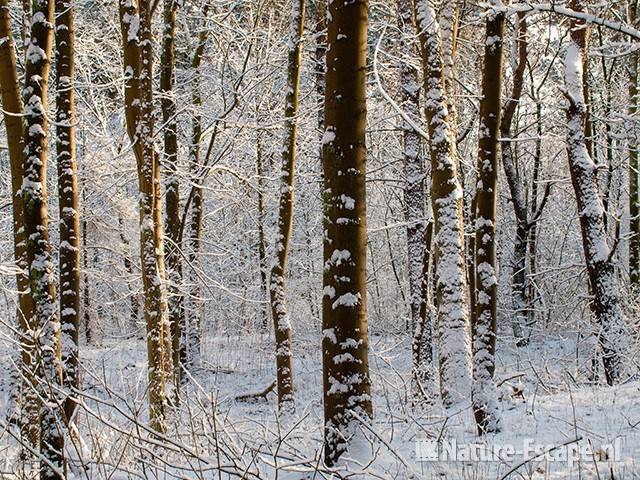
[547, 400]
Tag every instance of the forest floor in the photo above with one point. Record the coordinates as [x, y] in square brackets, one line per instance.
[547, 400]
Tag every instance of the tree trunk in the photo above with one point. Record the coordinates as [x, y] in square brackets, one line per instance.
[634, 167]
[136, 33]
[128, 267]
[344, 321]
[602, 278]
[172, 184]
[414, 198]
[190, 347]
[262, 249]
[39, 259]
[422, 347]
[281, 321]
[69, 257]
[446, 196]
[484, 328]
[519, 267]
[12, 107]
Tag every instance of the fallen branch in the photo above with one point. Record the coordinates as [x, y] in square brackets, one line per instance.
[548, 450]
[252, 396]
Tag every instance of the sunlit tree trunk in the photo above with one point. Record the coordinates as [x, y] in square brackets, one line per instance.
[344, 320]
[600, 268]
[448, 16]
[281, 321]
[137, 42]
[39, 259]
[69, 257]
[12, 109]
[484, 327]
[446, 196]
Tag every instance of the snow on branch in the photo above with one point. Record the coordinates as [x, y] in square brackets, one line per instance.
[567, 12]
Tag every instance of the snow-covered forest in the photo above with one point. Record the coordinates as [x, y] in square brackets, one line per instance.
[297, 239]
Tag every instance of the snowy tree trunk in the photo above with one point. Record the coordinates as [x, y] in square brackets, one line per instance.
[191, 331]
[414, 195]
[532, 243]
[634, 166]
[281, 321]
[448, 15]
[321, 53]
[519, 269]
[172, 184]
[602, 278]
[128, 266]
[262, 248]
[422, 342]
[418, 238]
[484, 328]
[446, 196]
[39, 259]
[69, 257]
[12, 108]
[136, 33]
[344, 321]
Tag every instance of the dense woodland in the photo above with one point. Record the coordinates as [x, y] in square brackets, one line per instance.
[286, 239]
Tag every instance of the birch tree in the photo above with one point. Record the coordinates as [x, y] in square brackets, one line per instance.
[603, 282]
[281, 321]
[454, 355]
[345, 363]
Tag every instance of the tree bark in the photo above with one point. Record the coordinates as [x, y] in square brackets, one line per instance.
[446, 196]
[136, 33]
[172, 185]
[602, 278]
[191, 343]
[12, 110]
[69, 256]
[281, 321]
[414, 195]
[484, 327]
[634, 165]
[39, 259]
[519, 268]
[344, 321]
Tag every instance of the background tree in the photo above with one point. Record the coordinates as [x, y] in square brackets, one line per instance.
[281, 322]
